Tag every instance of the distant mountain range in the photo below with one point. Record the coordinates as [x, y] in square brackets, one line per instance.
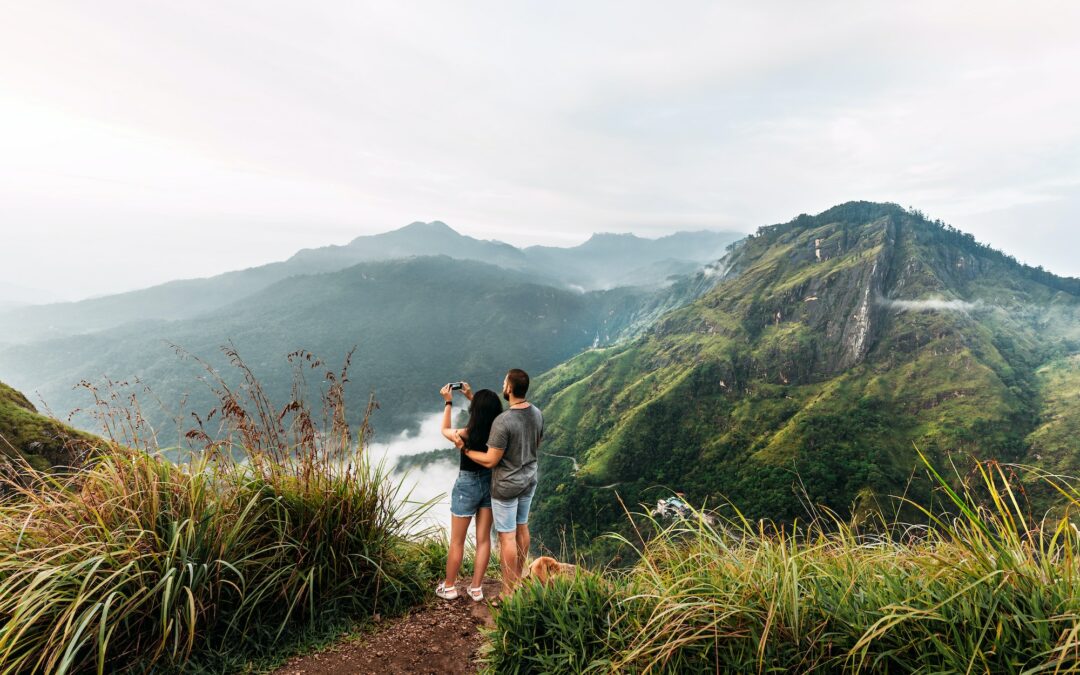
[603, 262]
[417, 323]
[831, 348]
[14, 295]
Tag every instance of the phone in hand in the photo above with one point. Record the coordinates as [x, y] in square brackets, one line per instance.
[456, 385]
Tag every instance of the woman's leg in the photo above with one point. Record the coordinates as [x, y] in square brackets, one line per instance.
[483, 546]
[459, 528]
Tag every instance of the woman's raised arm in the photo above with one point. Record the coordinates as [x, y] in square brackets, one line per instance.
[452, 435]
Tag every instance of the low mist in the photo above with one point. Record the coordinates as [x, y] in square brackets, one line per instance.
[930, 305]
[434, 481]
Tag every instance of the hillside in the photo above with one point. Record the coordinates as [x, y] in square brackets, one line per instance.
[417, 323]
[603, 262]
[831, 347]
[40, 440]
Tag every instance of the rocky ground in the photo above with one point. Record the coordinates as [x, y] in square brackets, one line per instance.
[442, 637]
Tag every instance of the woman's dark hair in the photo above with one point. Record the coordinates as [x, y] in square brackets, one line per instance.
[483, 410]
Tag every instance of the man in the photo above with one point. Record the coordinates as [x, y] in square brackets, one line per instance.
[512, 444]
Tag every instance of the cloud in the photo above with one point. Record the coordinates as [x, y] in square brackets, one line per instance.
[715, 269]
[930, 305]
[164, 140]
[429, 483]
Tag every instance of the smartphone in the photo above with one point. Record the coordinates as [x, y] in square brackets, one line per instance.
[456, 385]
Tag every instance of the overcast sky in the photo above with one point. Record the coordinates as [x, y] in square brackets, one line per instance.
[146, 141]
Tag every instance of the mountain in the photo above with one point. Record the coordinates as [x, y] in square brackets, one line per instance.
[417, 323]
[40, 440]
[612, 260]
[417, 239]
[16, 295]
[596, 264]
[191, 297]
[831, 347]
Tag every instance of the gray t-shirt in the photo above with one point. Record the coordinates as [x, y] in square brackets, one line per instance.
[518, 432]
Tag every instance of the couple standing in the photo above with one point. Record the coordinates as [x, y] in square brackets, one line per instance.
[496, 481]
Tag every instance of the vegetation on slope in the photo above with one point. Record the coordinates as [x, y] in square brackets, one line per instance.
[991, 591]
[29, 437]
[135, 563]
[831, 346]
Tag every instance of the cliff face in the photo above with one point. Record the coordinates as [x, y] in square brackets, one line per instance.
[830, 347]
[825, 279]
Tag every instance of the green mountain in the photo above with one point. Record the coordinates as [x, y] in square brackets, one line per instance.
[605, 261]
[830, 348]
[417, 323]
[40, 440]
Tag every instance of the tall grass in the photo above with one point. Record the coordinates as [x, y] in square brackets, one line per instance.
[133, 562]
[987, 590]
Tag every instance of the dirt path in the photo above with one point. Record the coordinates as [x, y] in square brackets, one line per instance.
[439, 638]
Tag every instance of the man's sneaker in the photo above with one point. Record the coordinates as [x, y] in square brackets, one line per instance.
[446, 592]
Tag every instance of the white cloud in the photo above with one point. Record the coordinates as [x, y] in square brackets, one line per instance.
[143, 142]
[431, 483]
[930, 305]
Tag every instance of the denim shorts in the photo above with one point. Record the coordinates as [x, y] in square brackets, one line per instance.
[472, 491]
[509, 513]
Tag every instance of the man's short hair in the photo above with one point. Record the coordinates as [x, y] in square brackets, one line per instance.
[519, 382]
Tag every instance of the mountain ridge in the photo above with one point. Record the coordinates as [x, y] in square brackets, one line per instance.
[188, 298]
[416, 321]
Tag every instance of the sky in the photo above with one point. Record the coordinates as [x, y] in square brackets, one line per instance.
[142, 142]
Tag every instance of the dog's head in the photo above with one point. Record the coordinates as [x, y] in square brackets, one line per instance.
[546, 567]
[543, 568]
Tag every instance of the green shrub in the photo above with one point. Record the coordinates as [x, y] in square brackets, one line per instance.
[133, 562]
[564, 626]
[991, 591]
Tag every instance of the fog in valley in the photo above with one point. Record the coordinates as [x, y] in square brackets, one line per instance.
[421, 484]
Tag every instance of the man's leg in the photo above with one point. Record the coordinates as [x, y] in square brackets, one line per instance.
[522, 542]
[524, 505]
[508, 559]
[504, 513]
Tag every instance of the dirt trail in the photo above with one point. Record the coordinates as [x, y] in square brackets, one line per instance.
[441, 637]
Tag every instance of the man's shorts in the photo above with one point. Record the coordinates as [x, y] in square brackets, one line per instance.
[509, 513]
[472, 491]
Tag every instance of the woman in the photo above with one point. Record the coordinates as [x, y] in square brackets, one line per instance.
[471, 495]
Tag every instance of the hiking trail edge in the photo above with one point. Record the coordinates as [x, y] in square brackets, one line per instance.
[441, 637]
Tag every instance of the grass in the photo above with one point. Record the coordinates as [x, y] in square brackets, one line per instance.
[26, 436]
[278, 527]
[990, 590]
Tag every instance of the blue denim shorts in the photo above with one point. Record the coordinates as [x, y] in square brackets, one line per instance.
[509, 513]
[472, 491]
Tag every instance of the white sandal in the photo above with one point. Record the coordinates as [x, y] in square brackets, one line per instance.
[477, 594]
[445, 592]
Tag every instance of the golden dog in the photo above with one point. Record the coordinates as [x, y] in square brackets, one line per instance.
[546, 567]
